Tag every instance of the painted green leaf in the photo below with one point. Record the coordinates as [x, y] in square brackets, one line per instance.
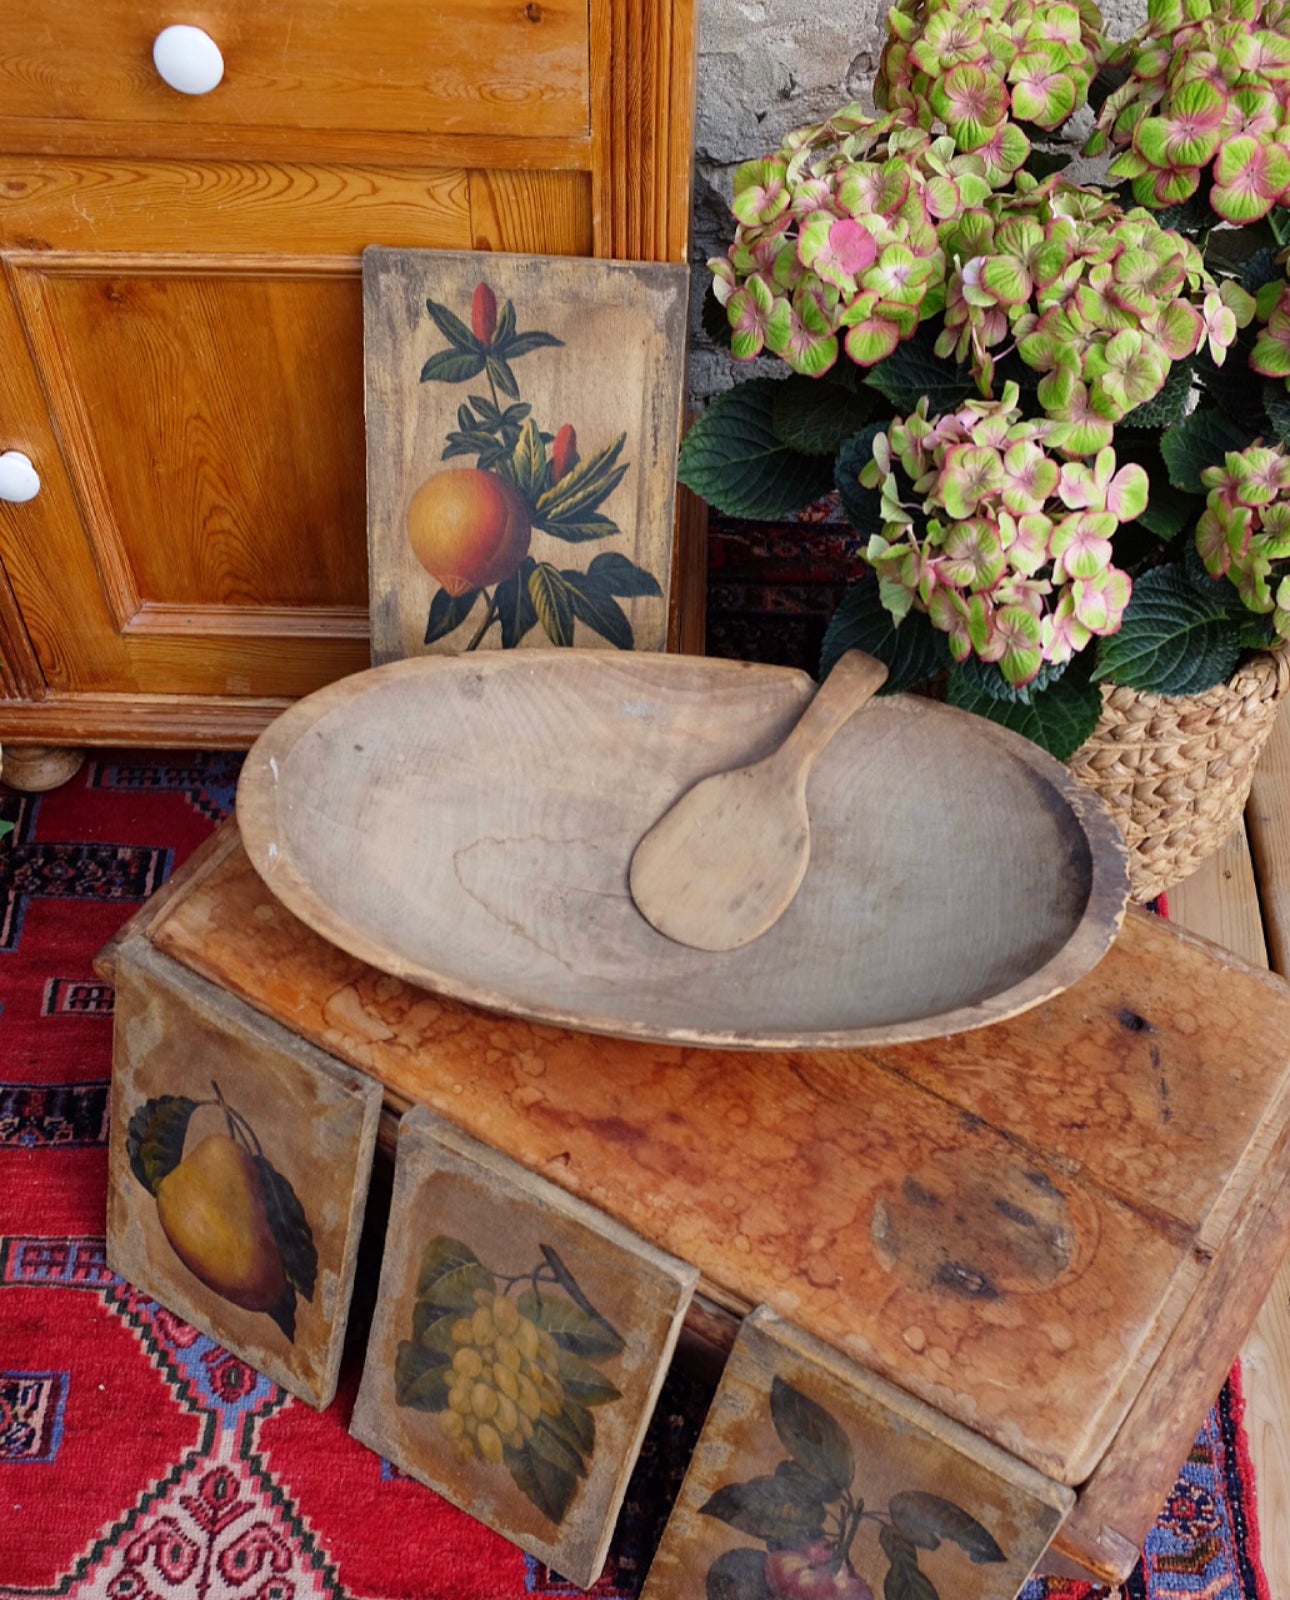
[502, 376]
[524, 343]
[583, 488]
[528, 460]
[154, 1140]
[738, 1575]
[290, 1228]
[448, 612]
[926, 1519]
[599, 610]
[1058, 719]
[592, 525]
[420, 1377]
[453, 328]
[616, 575]
[575, 1427]
[913, 651]
[548, 1483]
[450, 1273]
[816, 417]
[432, 1327]
[769, 1508]
[452, 366]
[584, 1333]
[1174, 639]
[583, 1382]
[514, 605]
[811, 1435]
[906, 1581]
[735, 460]
[1199, 441]
[552, 602]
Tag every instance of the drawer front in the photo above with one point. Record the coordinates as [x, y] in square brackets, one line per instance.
[471, 67]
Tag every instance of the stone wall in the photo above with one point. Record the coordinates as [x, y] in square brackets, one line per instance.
[765, 67]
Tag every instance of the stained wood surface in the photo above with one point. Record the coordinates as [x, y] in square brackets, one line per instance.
[724, 863]
[615, 372]
[543, 769]
[921, 1228]
[611, 1305]
[467, 66]
[295, 1110]
[789, 1409]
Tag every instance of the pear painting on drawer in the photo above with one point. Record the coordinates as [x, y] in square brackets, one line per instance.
[239, 1159]
[523, 417]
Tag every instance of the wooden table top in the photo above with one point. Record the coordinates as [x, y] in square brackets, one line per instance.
[1009, 1223]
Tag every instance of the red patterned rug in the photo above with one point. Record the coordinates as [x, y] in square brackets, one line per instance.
[139, 1461]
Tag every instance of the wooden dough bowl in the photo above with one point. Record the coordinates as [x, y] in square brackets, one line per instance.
[467, 822]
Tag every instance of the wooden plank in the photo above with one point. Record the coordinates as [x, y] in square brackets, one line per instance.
[873, 1492]
[1268, 821]
[518, 1347]
[156, 721]
[1224, 902]
[238, 1165]
[78, 204]
[541, 213]
[833, 1201]
[462, 556]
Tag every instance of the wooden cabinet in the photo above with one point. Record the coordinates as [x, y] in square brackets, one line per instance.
[180, 311]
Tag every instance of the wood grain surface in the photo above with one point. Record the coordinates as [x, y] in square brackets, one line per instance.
[543, 769]
[1241, 897]
[467, 66]
[921, 1228]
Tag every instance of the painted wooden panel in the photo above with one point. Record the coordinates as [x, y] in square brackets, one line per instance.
[470, 66]
[824, 1184]
[523, 419]
[519, 1343]
[813, 1477]
[238, 1167]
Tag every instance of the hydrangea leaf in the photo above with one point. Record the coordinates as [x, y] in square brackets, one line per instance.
[912, 650]
[1172, 639]
[734, 459]
[1200, 440]
[1058, 718]
[816, 417]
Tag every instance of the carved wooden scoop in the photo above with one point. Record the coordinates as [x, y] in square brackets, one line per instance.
[723, 864]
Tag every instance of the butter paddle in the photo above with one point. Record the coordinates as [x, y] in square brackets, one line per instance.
[723, 864]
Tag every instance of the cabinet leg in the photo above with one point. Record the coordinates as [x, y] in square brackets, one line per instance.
[34, 768]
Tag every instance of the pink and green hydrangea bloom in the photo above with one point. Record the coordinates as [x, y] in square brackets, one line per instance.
[1005, 547]
[1207, 96]
[1243, 534]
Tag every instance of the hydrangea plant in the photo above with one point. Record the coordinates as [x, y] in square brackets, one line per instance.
[1055, 413]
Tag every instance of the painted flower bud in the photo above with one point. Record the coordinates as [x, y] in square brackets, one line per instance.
[483, 313]
[564, 452]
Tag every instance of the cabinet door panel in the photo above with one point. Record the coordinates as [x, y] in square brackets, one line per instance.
[458, 66]
[213, 426]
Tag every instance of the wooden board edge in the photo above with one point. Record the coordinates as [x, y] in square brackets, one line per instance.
[209, 855]
[1114, 1511]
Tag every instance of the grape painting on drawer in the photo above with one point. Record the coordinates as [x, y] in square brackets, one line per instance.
[519, 1342]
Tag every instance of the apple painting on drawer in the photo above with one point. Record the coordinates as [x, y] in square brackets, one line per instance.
[238, 1165]
[522, 418]
[518, 1345]
[816, 1480]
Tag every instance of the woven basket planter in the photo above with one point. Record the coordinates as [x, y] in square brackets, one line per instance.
[1176, 769]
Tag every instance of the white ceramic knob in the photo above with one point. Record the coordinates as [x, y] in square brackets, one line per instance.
[188, 59]
[19, 480]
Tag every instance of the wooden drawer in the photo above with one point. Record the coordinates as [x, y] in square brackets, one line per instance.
[472, 67]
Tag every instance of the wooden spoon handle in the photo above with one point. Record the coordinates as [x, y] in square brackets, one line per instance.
[855, 678]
